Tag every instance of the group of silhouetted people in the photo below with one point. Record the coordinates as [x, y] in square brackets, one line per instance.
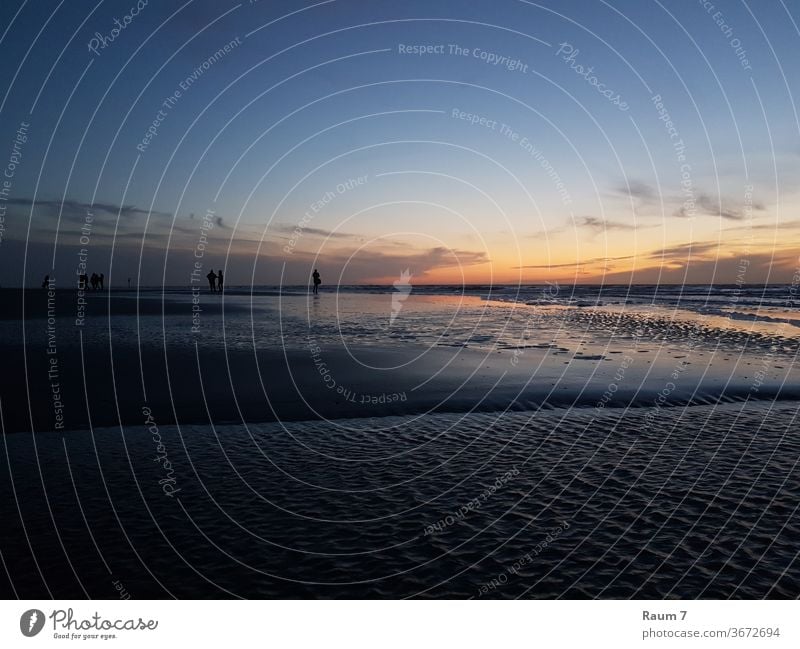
[95, 281]
[84, 281]
[215, 280]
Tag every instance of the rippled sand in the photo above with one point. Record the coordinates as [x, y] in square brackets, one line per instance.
[674, 502]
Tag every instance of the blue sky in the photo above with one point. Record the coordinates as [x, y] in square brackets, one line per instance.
[314, 95]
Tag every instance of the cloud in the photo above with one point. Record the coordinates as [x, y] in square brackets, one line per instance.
[594, 224]
[704, 203]
[670, 255]
[685, 249]
[287, 228]
[785, 225]
[712, 207]
[763, 267]
[597, 224]
[718, 207]
[70, 216]
[382, 266]
[547, 266]
[72, 208]
[636, 189]
[594, 260]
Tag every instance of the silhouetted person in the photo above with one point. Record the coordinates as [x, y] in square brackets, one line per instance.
[100, 280]
[129, 283]
[46, 282]
[83, 281]
[211, 279]
[94, 281]
[317, 281]
[219, 280]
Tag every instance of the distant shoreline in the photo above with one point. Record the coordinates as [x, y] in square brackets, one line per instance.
[388, 286]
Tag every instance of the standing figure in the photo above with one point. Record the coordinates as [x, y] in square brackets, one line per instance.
[317, 281]
[219, 280]
[46, 282]
[212, 278]
[94, 281]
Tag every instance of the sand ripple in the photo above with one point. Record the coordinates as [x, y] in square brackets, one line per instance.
[701, 503]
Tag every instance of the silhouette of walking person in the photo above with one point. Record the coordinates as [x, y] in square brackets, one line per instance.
[94, 281]
[211, 279]
[219, 280]
[46, 282]
[317, 281]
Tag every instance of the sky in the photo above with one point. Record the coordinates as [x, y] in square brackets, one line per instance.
[468, 142]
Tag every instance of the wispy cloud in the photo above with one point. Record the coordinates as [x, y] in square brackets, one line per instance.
[673, 254]
[218, 221]
[383, 265]
[598, 225]
[70, 215]
[685, 249]
[288, 228]
[785, 225]
[763, 267]
[593, 224]
[574, 264]
[713, 207]
[72, 208]
[705, 203]
[636, 189]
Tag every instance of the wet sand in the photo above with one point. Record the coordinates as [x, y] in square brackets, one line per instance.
[697, 502]
[104, 373]
[300, 447]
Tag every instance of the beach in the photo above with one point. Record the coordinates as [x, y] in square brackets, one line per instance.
[286, 356]
[702, 502]
[487, 443]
